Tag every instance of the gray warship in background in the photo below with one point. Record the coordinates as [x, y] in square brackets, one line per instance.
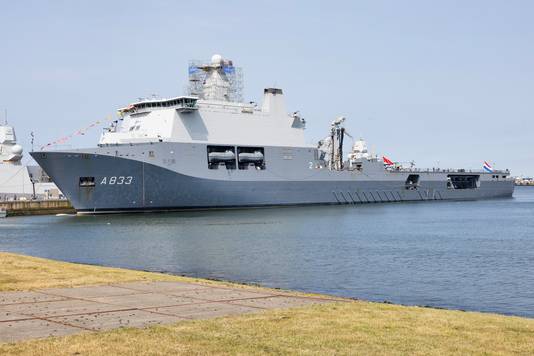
[19, 181]
[210, 150]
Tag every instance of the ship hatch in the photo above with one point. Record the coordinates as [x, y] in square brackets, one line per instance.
[412, 182]
[462, 181]
[87, 181]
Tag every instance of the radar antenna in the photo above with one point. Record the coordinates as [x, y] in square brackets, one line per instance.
[217, 79]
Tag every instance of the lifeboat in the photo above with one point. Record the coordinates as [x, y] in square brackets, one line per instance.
[221, 156]
[254, 157]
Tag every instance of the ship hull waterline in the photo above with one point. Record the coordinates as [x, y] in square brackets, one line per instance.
[143, 187]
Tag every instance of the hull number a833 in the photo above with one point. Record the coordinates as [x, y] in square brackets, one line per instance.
[117, 180]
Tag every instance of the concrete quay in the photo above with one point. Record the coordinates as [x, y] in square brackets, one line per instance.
[63, 311]
[37, 207]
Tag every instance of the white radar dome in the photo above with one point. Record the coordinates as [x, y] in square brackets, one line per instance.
[216, 59]
[16, 150]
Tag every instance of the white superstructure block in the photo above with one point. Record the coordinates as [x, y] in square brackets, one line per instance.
[273, 102]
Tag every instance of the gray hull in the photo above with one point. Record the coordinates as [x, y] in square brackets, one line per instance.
[138, 185]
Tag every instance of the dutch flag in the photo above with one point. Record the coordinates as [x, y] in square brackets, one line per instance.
[487, 167]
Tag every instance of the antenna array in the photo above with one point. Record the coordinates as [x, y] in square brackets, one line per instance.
[197, 79]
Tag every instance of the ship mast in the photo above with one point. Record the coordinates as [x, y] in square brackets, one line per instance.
[337, 133]
[217, 80]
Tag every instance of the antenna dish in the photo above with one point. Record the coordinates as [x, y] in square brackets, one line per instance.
[338, 121]
[216, 59]
[16, 150]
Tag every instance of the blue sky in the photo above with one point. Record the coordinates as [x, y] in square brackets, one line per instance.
[449, 82]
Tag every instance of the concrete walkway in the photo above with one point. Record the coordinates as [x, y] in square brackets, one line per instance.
[56, 312]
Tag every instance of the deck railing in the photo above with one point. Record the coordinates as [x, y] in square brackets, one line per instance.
[446, 170]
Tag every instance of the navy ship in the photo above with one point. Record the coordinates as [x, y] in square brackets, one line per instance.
[19, 181]
[209, 149]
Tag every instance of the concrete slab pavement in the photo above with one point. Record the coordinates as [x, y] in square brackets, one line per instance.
[64, 311]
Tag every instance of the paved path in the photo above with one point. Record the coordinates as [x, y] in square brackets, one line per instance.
[56, 312]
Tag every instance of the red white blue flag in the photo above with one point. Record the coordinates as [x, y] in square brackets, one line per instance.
[488, 167]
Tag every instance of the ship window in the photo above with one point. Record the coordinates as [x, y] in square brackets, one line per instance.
[221, 157]
[251, 157]
[151, 154]
[87, 181]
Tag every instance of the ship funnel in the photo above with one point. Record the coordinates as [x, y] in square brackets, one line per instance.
[273, 101]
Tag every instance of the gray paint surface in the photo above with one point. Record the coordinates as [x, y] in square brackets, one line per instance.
[172, 176]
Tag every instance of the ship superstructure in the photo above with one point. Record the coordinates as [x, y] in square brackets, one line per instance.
[208, 149]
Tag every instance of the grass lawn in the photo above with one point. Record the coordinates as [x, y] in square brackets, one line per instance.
[19, 272]
[358, 327]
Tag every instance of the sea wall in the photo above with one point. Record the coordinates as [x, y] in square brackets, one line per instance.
[37, 207]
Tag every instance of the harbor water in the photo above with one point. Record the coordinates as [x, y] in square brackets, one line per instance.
[474, 255]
